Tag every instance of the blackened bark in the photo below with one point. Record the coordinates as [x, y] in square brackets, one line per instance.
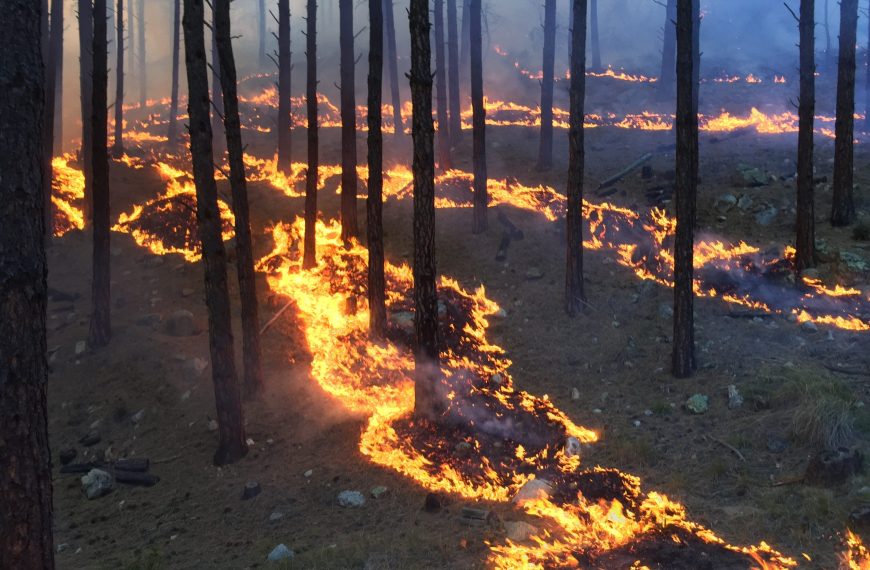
[374, 202]
[231, 427]
[453, 74]
[132, 60]
[667, 77]
[118, 146]
[310, 241]
[843, 210]
[348, 122]
[867, 84]
[595, 40]
[805, 240]
[58, 94]
[575, 295]
[251, 351]
[176, 48]
[481, 199]
[217, 98]
[100, 328]
[86, 89]
[55, 54]
[25, 462]
[285, 68]
[686, 191]
[393, 64]
[696, 55]
[261, 32]
[465, 49]
[143, 68]
[441, 88]
[545, 148]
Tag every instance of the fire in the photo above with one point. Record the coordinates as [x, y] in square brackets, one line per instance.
[857, 557]
[68, 187]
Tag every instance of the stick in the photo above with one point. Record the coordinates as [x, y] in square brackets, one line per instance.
[275, 318]
[731, 447]
[626, 171]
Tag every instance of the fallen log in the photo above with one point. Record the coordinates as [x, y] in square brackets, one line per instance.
[133, 465]
[626, 171]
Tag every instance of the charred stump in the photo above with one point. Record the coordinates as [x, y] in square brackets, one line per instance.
[575, 295]
[479, 224]
[805, 240]
[374, 202]
[843, 209]
[348, 122]
[310, 243]
[545, 147]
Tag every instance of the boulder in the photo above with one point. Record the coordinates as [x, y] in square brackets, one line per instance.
[279, 553]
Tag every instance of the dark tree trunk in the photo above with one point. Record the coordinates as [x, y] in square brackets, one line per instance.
[441, 88]
[805, 241]
[285, 69]
[348, 123]
[261, 31]
[132, 59]
[176, 48]
[453, 74]
[143, 68]
[118, 146]
[100, 329]
[231, 426]
[465, 50]
[25, 462]
[686, 190]
[58, 94]
[481, 200]
[575, 295]
[696, 56]
[545, 148]
[843, 211]
[828, 55]
[244, 250]
[310, 241]
[393, 64]
[217, 98]
[867, 84]
[593, 29]
[86, 89]
[667, 78]
[374, 202]
[55, 54]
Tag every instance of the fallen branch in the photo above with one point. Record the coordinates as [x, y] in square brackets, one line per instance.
[626, 171]
[728, 446]
[276, 317]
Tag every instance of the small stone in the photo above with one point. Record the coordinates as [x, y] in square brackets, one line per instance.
[97, 483]
[572, 446]
[809, 327]
[735, 400]
[636, 423]
[648, 413]
[67, 454]
[279, 553]
[351, 499]
[93, 437]
[81, 346]
[308, 473]
[252, 489]
[185, 396]
[63, 546]
[575, 394]
[181, 323]
[500, 314]
[496, 379]
[212, 425]
[196, 365]
[698, 404]
[276, 516]
[766, 216]
[533, 489]
[138, 416]
[744, 203]
[519, 531]
[725, 202]
[596, 411]
[534, 273]
[187, 292]
[378, 492]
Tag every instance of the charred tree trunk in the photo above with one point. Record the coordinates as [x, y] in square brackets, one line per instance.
[441, 88]
[374, 202]
[143, 68]
[55, 54]
[118, 146]
[348, 123]
[669, 52]
[100, 328]
[686, 190]
[481, 199]
[595, 40]
[843, 211]
[453, 74]
[696, 56]
[465, 50]
[393, 63]
[261, 32]
[217, 97]
[231, 427]
[86, 89]
[867, 84]
[244, 250]
[176, 48]
[310, 244]
[285, 70]
[575, 295]
[805, 240]
[57, 145]
[25, 462]
[426, 398]
[131, 35]
[545, 148]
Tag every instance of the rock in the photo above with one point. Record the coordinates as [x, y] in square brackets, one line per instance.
[276, 516]
[67, 454]
[853, 261]
[776, 444]
[93, 437]
[434, 502]
[279, 553]
[519, 531]
[196, 365]
[138, 416]
[403, 320]
[187, 292]
[533, 489]
[473, 516]
[750, 177]
[534, 273]
[251, 490]
[496, 379]
[97, 483]
[725, 202]
[212, 425]
[81, 346]
[744, 203]
[351, 499]
[809, 327]
[698, 403]
[735, 400]
[181, 323]
[575, 394]
[378, 492]
[831, 468]
[636, 423]
[308, 473]
[149, 320]
[499, 314]
[572, 446]
[766, 216]
[666, 311]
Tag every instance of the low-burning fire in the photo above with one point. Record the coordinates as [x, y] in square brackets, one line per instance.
[68, 192]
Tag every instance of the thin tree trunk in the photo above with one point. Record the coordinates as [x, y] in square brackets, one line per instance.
[374, 202]
[261, 32]
[393, 64]
[453, 74]
[545, 148]
[231, 427]
[86, 89]
[481, 199]
[143, 68]
[441, 88]
[176, 48]
[427, 401]
[349, 227]
[118, 147]
[867, 84]
[58, 91]
[310, 242]
[667, 78]
[100, 328]
[596, 42]
[843, 211]
[696, 57]
[55, 54]
[686, 190]
[217, 98]
[25, 461]
[575, 295]
[828, 56]
[465, 50]
[285, 69]
[805, 240]
[132, 59]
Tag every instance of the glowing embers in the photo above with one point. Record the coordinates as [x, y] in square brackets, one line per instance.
[68, 193]
[856, 557]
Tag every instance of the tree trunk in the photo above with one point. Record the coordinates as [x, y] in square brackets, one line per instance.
[465, 49]
[251, 351]
[143, 68]
[843, 211]
[261, 32]
[686, 190]
[348, 123]
[696, 57]
[393, 63]
[545, 148]
[176, 48]
[481, 200]
[57, 145]
[374, 202]
[55, 54]
[453, 74]
[25, 461]
[231, 427]
[596, 43]
[867, 84]
[441, 88]
[575, 295]
[86, 89]
[285, 68]
[667, 78]
[118, 147]
[132, 59]
[828, 56]
[217, 98]
[805, 241]
[100, 328]
[310, 254]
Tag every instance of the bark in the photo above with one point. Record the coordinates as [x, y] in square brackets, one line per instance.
[25, 462]
[686, 183]
[131, 34]
[481, 200]
[828, 56]
[58, 92]
[251, 351]
[348, 123]
[843, 210]
[453, 88]
[696, 55]
[393, 63]
[261, 32]
[143, 69]
[285, 68]
[310, 254]
[427, 401]
[465, 49]
[545, 148]
[374, 202]
[231, 427]
[118, 147]
[805, 240]
[176, 48]
[575, 295]
[667, 78]
[217, 97]
[441, 88]
[595, 41]
[867, 84]
[86, 88]
[55, 54]
[100, 327]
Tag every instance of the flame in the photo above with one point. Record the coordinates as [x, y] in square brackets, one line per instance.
[856, 557]
[68, 187]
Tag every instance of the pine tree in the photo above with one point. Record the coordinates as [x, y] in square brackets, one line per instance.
[285, 69]
[54, 53]
[374, 202]
[575, 295]
[349, 227]
[310, 242]
[393, 65]
[595, 40]
[441, 88]
[667, 78]
[843, 210]
[805, 241]
[176, 48]
[118, 146]
[481, 199]
[545, 147]
[86, 89]
[143, 67]
[453, 85]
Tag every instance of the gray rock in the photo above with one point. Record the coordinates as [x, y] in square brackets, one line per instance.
[725, 203]
[276, 516]
[93, 437]
[809, 327]
[744, 203]
[251, 490]
[735, 400]
[666, 311]
[766, 216]
[181, 323]
[534, 273]
[519, 531]
[279, 553]
[575, 393]
[351, 499]
[97, 483]
[213, 425]
[750, 177]
[534, 489]
[698, 403]
[138, 416]
[187, 292]
[379, 491]
[403, 320]
[572, 446]
[81, 346]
